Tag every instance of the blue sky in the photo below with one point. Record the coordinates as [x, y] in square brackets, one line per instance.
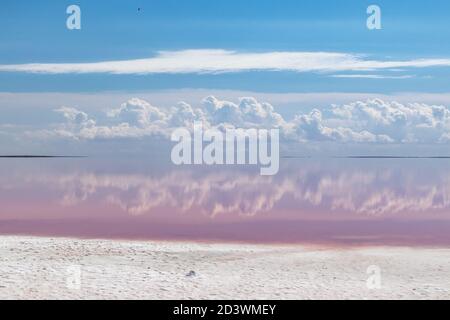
[35, 32]
[331, 80]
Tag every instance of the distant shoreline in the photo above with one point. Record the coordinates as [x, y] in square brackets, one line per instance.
[39, 156]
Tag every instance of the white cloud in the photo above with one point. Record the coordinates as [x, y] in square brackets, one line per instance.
[370, 121]
[137, 118]
[137, 112]
[312, 127]
[371, 76]
[403, 123]
[220, 61]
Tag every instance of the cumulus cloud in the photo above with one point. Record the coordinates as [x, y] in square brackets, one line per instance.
[139, 113]
[370, 121]
[220, 61]
[138, 118]
[401, 123]
[312, 127]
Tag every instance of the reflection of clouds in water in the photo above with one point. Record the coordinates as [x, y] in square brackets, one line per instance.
[212, 194]
[301, 190]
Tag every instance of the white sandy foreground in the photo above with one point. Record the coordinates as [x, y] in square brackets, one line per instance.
[55, 268]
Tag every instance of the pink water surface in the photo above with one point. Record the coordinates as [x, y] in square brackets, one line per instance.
[330, 201]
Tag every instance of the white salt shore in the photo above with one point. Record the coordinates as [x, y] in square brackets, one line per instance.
[61, 268]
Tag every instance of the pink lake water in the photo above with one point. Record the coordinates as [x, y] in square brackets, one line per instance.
[317, 200]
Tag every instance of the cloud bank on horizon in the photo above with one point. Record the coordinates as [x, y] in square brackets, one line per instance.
[370, 121]
[215, 61]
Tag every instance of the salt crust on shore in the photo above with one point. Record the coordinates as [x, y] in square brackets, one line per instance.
[44, 268]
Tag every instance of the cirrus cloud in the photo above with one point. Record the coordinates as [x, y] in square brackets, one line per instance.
[223, 61]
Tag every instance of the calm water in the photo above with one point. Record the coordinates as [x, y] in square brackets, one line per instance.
[320, 200]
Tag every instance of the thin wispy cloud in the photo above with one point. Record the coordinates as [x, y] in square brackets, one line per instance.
[370, 76]
[225, 61]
